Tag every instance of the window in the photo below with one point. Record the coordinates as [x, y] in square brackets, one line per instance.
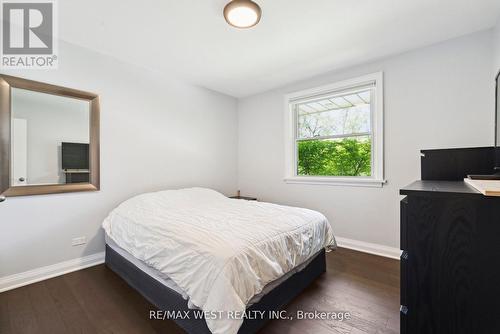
[335, 133]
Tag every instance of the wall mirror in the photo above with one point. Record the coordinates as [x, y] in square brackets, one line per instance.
[49, 138]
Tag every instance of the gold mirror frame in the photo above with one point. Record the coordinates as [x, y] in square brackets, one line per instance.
[6, 84]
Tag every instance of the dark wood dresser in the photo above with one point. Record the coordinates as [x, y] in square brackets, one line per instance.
[450, 238]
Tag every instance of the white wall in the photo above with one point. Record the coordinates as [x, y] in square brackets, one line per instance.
[496, 44]
[437, 97]
[50, 120]
[159, 133]
[156, 133]
[496, 66]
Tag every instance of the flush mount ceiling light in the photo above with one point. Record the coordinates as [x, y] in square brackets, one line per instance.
[242, 13]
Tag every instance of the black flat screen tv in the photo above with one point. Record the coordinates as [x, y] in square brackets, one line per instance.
[75, 156]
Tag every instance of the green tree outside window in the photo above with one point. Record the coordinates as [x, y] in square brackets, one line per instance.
[345, 157]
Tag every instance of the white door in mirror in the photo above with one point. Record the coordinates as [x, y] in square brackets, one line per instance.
[20, 146]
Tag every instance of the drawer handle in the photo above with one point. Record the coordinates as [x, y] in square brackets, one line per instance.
[404, 256]
[403, 309]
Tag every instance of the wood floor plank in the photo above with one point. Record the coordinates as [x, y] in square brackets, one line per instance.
[5, 327]
[139, 305]
[96, 300]
[48, 318]
[362, 316]
[21, 312]
[393, 323]
[74, 316]
[360, 287]
[98, 304]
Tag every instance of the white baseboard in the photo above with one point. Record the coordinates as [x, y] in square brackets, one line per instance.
[43, 273]
[367, 247]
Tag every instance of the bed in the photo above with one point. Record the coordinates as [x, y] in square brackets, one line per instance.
[194, 250]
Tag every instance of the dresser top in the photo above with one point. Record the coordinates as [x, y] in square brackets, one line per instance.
[440, 187]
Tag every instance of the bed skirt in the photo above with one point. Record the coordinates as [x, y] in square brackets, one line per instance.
[167, 299]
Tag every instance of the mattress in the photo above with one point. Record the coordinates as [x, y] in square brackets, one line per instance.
[220, 252]
[169, 283]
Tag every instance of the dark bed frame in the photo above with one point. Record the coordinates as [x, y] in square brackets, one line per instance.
[167, 299]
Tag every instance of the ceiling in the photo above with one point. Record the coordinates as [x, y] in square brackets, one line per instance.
[295, 39]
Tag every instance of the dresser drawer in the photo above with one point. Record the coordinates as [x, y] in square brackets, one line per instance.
[404, 224]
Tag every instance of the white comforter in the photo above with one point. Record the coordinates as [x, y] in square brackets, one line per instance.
[219, 251]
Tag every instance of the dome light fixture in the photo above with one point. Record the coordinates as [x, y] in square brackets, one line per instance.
[242, 14]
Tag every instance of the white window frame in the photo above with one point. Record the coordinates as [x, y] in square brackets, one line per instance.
[377, 119]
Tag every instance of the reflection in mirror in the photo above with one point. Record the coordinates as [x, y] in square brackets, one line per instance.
[50, 139]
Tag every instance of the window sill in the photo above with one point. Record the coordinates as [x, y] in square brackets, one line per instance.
[336, 181]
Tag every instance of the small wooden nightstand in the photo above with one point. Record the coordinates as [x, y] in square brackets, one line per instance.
[244, 197]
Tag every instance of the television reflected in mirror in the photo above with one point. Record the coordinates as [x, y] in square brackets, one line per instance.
[50, 138]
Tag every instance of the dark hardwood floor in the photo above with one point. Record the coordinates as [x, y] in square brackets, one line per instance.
[96, 300]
